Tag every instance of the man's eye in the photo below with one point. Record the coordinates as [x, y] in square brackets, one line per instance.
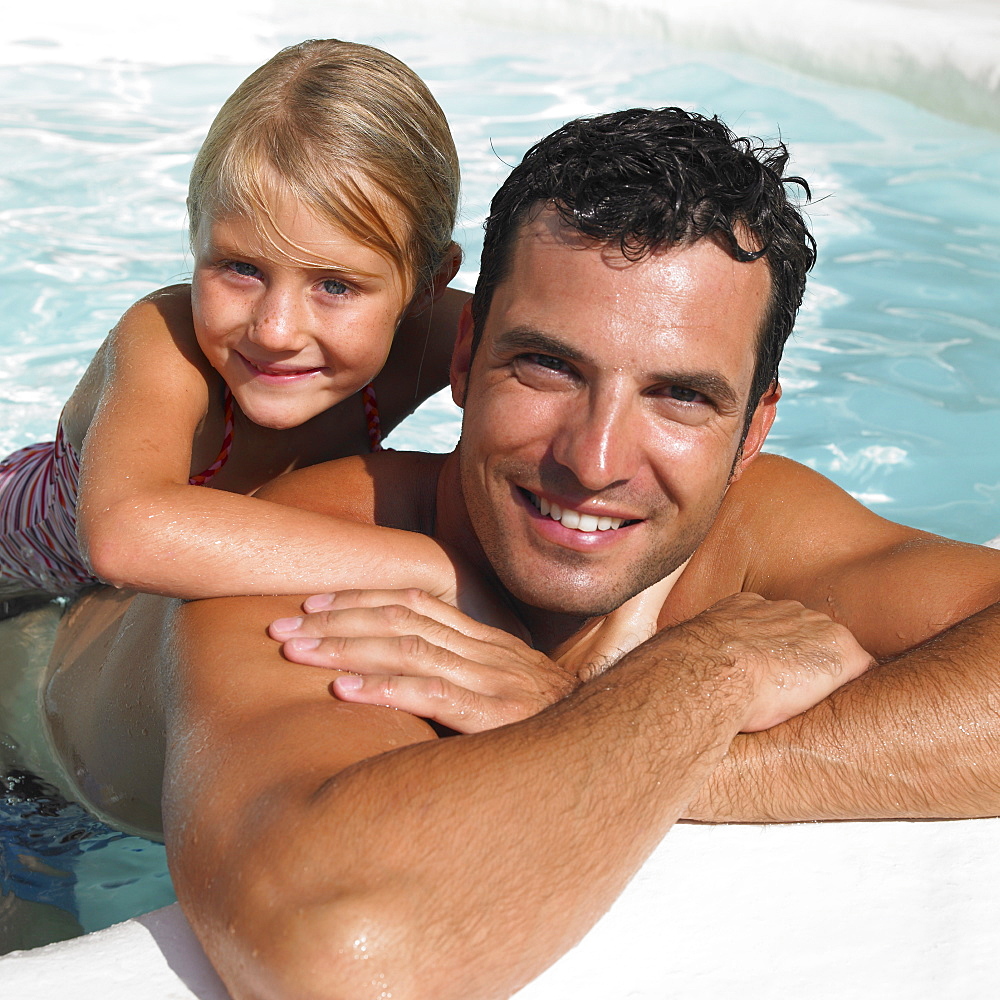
[546, 361]
[684, 394]
[242, 268]
[333, 287]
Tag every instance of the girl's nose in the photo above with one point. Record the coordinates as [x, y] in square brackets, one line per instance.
[278, 321]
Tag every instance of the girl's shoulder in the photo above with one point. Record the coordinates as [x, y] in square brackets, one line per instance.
[160, 321]
[418, 364]
[152, 348]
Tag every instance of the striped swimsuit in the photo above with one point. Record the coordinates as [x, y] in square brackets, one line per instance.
[38, 491]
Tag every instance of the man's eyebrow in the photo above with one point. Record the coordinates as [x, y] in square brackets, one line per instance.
[712, 384]
[527, 338]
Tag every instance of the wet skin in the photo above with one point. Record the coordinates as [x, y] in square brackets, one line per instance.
[614, 390]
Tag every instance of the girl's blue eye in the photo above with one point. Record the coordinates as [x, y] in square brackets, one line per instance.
[333, 287]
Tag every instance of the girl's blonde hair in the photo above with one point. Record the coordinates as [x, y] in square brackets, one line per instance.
[350, 131]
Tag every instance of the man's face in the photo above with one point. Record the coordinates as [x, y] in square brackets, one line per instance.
[603, 413]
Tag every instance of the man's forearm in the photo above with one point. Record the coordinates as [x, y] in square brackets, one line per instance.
[456, 868]
[918, 737]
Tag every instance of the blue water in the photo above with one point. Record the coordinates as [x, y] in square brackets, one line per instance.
[891, 380]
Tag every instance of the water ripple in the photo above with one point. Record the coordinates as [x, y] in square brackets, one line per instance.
[896, 347]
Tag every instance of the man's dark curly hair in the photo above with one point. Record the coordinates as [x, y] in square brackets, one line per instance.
[649, 180]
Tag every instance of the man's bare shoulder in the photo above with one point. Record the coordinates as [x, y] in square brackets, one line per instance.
[395, 489]
[728, 559]
[787, 507]
[773, 475]
[787, 532]
[780, 526]
[781, 516]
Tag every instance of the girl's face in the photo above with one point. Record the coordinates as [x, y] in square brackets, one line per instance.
[293, 312]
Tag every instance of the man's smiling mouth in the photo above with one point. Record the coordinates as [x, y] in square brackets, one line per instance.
[573, 518]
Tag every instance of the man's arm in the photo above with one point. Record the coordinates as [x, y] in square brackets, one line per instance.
[324, 849]
[917, 736]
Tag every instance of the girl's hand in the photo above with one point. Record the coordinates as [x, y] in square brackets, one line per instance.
[408, 650]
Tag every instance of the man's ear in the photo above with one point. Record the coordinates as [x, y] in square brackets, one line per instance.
[760, 426]
[430, 293]
[461, 356]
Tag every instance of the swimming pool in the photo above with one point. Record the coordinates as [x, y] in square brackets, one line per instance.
[891, 380]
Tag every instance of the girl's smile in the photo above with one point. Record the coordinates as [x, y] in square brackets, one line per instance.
[279, 373]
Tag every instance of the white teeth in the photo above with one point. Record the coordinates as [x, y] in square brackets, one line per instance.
[574, 519]
[570, 519]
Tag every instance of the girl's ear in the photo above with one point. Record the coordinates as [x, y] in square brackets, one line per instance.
[430, 293]
[461, 356]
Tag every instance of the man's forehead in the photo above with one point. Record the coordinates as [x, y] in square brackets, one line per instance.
[546, 237]
[570, 286]
[546, 229]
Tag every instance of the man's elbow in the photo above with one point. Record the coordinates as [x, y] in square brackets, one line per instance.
[352, 948]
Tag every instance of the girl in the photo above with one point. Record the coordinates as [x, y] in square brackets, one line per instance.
[321, 209]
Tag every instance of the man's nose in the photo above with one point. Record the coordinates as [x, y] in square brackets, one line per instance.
[278, 320]
[601, 441]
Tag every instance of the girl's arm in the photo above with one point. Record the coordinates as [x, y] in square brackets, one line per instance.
[142, 526]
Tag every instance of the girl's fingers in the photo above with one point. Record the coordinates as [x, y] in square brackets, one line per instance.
[407, 655]
[414, 599]
[429, 698]
[361, 634]
[396, 621]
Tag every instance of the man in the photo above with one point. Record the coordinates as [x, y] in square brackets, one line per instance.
[641, 272]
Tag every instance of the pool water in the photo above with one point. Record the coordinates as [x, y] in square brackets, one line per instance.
[892, 381]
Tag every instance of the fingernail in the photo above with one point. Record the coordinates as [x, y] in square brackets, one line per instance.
[286, 624]
[349, 682]
[303, 645]
[318, 602]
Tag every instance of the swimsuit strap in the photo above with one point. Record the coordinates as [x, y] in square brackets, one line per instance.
[371, 416]
[368, 398]
[203, 478]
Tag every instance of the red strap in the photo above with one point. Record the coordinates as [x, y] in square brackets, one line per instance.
[371, 415]
[202, 478]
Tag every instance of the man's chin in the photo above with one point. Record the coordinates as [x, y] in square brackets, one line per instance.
[578, 598]
[574, 588]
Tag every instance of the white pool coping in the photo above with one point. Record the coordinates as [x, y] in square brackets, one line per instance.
[826, 911]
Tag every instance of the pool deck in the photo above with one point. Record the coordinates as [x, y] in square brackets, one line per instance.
[938, 54]
[826, 911]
